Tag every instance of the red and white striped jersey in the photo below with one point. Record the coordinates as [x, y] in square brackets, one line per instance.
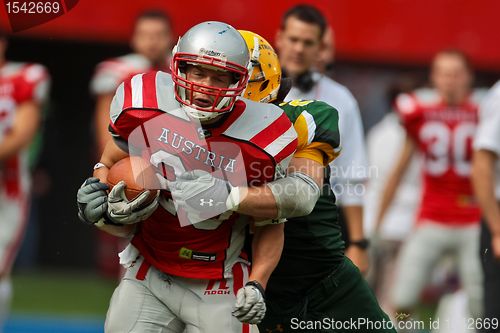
[110, 73]
[444, 134]
[254, 142]
[19, 83]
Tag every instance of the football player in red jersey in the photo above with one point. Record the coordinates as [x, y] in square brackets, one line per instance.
[187, 277]
[440, 123]
[23, 88]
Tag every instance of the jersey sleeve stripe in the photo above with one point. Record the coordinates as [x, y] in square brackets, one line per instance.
[279, 126]
[300, 126]
[286, 151]
[117, 103]
[311, 125]
[137, 91]
[127, 95]
[149, 90]
[285, 142]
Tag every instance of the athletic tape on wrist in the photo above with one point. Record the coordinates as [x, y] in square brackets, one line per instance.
[233, 200]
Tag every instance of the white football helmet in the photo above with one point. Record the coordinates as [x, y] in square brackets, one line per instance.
[214, 45]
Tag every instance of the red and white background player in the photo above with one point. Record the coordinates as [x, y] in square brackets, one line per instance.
[151, 42]
[23, 88]
[185, 271]
[440, 124]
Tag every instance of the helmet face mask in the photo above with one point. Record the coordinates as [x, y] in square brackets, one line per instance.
[214, 46]
[265, 72]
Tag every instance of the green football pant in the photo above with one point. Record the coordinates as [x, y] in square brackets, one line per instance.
[341, 302]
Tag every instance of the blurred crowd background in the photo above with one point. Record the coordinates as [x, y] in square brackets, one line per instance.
[377, 50]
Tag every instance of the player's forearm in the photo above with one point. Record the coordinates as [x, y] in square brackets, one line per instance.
[267, 246]
[483, 180]
[387, 197]
[354, 221]
[258, 202]
[112, 154]
[11, 145]
[102, 121]
[394, 180]
[292, 196]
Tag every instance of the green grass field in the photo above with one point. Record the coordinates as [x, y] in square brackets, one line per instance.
[61, 293]
[72, 295]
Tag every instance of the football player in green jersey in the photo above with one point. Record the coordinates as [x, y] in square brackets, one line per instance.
[314, 288]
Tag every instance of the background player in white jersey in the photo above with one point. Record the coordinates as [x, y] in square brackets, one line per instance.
[440, 123]
[486, 179]
[151, 42]
[299, 43]
[209, 69]
[23, 88]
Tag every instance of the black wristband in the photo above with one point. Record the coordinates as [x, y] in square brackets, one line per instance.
[257, 285]
[362, 243]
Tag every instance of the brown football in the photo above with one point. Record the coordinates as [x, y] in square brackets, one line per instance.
[138, 174]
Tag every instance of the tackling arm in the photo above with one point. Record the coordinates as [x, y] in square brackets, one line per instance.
[287, 197]
[267, 246]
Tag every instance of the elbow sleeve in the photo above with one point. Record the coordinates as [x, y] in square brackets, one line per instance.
[295, 195]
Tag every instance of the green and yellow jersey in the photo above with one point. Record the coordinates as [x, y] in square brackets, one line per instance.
[313, 244]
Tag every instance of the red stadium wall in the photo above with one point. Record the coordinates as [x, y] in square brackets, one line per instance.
[387, 31]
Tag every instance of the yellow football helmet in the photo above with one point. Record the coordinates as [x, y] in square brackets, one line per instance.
[265, 69]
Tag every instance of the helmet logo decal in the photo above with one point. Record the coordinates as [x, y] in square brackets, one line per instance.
[212, 53]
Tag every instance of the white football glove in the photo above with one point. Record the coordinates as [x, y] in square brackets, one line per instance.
[250, 303]
[123, 211]
[202, 195]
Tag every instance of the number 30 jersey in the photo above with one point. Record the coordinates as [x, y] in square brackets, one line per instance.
[252, 143]
[444, 134]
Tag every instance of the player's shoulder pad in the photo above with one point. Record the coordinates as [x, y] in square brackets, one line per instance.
[265, 126]
[320, 110]
[109, 73]
[406, 104]
[145, 91]
[34, 73]
[12, 68]
[29, 72]
[33, 79]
